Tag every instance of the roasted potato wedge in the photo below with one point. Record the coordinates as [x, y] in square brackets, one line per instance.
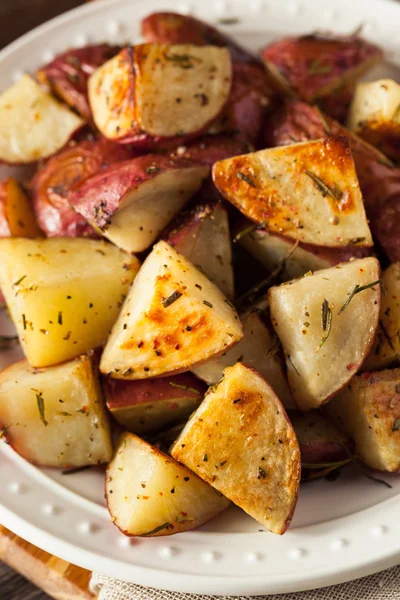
[64, 294]
[33, 124]
[314, 66]
[319, 440]
[259, 349]
[67, 74]
[17, 218]
[55, 417]
[307, 192]
[149, 494]
[173, 319]
[294, 259]
[132, 93]
[193, 235]
[386, 349]
[379, 178]
[63, 172]
[368, 410]
[131, 202]
[148, 405]
[375, 115]
[241, 441]
[314, 318]
[174, 28]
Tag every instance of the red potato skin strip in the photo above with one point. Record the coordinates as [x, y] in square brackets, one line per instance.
[68, 73]
[379, 180]
[209, 149]
[50, 186]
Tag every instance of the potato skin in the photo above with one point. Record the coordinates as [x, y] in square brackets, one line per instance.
[67, 74]
[208, 149]
[313, 66]
[17, 218]
[379, 179]
[63, 172]
[174, 28]
[319, 440]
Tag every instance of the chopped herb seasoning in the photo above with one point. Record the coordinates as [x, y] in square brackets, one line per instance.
[198, 286]
[156, 530]
[244, 232]
[324, 188]
[23, 321]
[184, 387]
[246, 178]
[326, 320]
[356, 290]
[184, 61]
[75, 470]
[396, 425]
[203, 99]
[40, 405]
[171, 299]
[60, 318]
[207, 303]
[188, 328]
[20, 280]
[205, 458]
[236, 401]
[262, 474]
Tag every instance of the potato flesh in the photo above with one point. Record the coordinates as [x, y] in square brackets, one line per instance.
[386, 349]
[316, 371]
[368, 409]
[240, 440]
[150, 494]
[145, 212]
[257, 349]
[307, 191]
[33, 124]
[152, 336]
[63, 294]
[72, 430]
[16, 215]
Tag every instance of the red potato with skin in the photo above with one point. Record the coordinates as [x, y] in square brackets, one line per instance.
[68, 73]
[317, 65]
[379, 179]
[148, 406]
[131, 202]
[174, 28]
[50, 186]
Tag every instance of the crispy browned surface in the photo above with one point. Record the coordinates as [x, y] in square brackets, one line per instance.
[312, 66]
[16, 215]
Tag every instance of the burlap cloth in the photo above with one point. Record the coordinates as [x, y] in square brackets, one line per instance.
[382, 586]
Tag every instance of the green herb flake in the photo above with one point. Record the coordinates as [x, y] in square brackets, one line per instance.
[60, 318]
[171, 299]
[244, 232]
[323, 187]
[207, 303]
[246, 178]
[40, 405]
[262, 473]
[20, 280]
[236, 401]
[356, 290]
[156, 530]
[24, 321]
[326, 321]
[184, 387]
[205, 458]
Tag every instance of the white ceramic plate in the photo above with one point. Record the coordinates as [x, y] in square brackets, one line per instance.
[343, 529]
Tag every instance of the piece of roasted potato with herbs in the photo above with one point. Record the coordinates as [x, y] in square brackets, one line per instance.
[379, 179]
[151, 405]
[131, 202]
[55, 417]
[326, 322]
[386, 349]
[307, 192]
[375, 115]
[205, 227]
[368, 410]
[33, 124]
[17, 218]
[64, 294]
[149, 494]
[173, 319]
[316, 65]
[63, 172]
[293, 259]
[240, 440]
[160, 91]
[68, 73]
[259, 349]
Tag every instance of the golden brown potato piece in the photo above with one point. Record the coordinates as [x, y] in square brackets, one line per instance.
[368, 410]
[307, 191]
[164, 91]
[240, 440]
[151, 405]
[173, 319]
[17, 218]
[313, 66]
[63, 294]
[33, 124]
[314, 318]
[375, 115]
[149, 494]
[386, 349]
[55, 417]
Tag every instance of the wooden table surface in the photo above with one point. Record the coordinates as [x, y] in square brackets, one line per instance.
[17, 17]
